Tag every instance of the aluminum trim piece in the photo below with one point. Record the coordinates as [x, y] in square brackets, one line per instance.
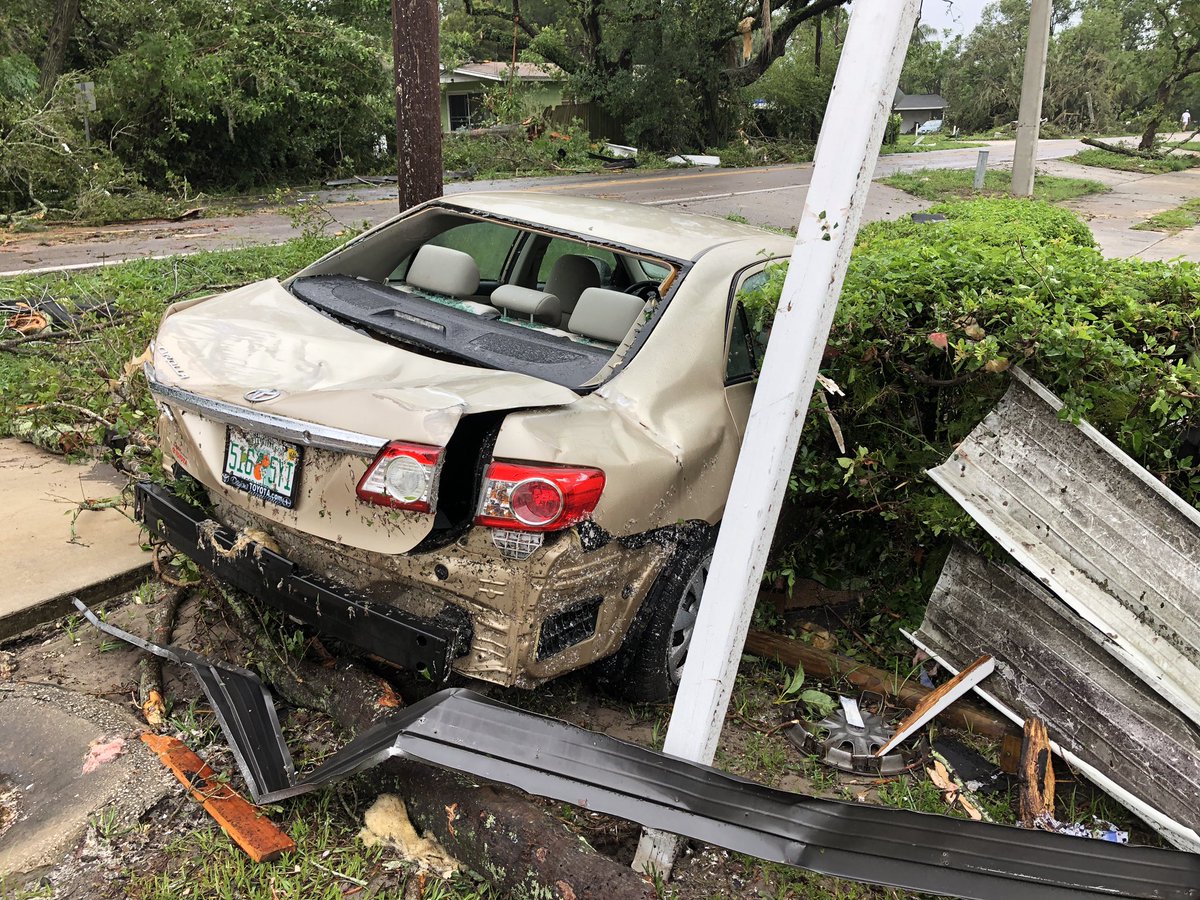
[308, 434]
[1087, 522]
[460, 730]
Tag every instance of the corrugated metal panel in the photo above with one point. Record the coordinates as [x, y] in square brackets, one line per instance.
[1097, 529]
[1047, 666]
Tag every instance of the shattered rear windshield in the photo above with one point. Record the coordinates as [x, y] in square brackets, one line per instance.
[490, 294]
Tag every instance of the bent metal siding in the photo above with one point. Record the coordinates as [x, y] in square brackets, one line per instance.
[1047, 666]
[1104, 535]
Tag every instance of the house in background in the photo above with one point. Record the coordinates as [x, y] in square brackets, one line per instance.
[463, 89]
[917, 109]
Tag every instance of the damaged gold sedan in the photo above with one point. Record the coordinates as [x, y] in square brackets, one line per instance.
[493, 435]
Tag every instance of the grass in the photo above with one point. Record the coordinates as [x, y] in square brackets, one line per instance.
[48, 390]
[907, 143]
[1182, 217]
[952, 184]
[328, 863]
[1104, 159]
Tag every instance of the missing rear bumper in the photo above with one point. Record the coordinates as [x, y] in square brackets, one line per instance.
[410, 641]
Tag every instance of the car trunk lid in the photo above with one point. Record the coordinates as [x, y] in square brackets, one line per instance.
[335, 391]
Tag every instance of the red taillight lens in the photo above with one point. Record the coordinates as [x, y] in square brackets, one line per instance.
[537, 498]
[403, 476]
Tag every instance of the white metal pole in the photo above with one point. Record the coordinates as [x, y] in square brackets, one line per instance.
[981, 170]
[847, 150]
[1029, 119]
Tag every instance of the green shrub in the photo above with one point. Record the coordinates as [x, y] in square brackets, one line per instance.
[930, 316]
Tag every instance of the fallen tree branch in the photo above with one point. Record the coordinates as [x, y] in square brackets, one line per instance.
[824, 664]
[150, 684]
[66, 333]
[1117, 148]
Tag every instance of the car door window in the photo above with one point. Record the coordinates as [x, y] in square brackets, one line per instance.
[607, 262]
[746, 347]
[486, 242]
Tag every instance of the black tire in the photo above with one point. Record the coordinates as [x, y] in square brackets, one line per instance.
[655, 661]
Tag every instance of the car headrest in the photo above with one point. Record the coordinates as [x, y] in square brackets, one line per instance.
[605, 315]
[441, 270]
[570, 276]
[526, 303]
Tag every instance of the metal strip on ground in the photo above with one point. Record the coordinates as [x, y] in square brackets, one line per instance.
[460, 730]
[1047, 667]
[1102, 533]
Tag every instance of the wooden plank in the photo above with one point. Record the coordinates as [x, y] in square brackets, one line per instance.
[939, 698]
[907, 693]
[245, 823]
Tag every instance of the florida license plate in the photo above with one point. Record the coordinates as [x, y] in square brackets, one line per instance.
[263, 466]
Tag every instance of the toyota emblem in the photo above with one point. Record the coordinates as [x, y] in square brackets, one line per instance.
[261, 395]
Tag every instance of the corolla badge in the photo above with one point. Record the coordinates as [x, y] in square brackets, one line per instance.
[261, 395]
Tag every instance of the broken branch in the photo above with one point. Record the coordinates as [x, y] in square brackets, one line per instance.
[831, 665]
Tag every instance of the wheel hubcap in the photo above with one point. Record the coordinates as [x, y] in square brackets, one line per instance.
[684, 625]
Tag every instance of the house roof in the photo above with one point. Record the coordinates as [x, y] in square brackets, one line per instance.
[918, 101]
[499, 71]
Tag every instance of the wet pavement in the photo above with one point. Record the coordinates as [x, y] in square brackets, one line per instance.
[765, 195]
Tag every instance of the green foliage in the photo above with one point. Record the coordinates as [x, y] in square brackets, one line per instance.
[1105, 160]
[79, 386]
[945, 184]
[930, 315]
[563, 150]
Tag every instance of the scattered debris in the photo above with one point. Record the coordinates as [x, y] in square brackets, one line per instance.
[460, 730]
[249, 828]
[938, 699]
[101, 751]
[690, 159]
[1102, 721]
[26, 320]
[386, 823]
[1098, 830]
[8, 665]
[830, 665]
[620, 150]
[952, 788]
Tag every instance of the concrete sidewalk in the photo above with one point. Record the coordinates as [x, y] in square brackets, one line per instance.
[45, 560]
[1133, 198]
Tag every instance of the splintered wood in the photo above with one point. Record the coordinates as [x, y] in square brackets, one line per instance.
[241, 820]
[1036, 775]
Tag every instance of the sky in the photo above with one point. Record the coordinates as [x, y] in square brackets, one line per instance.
[958, 15]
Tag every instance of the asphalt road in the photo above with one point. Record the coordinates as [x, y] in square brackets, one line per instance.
[768, 195]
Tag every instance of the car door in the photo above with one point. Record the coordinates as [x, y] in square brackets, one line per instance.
[743, 346]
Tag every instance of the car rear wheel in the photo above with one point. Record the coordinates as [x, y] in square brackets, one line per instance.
[657, 660]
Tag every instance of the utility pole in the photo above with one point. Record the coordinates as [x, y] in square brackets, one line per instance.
[1029, 121]
[418, 100]
[847, 150]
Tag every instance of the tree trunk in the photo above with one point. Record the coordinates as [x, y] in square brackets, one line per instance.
[66, 14]
[1148, 136]
[418, 100]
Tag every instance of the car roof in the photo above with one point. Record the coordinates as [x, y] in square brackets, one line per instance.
[673, 234]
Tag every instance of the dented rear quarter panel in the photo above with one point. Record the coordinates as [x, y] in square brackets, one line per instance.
[661, 428]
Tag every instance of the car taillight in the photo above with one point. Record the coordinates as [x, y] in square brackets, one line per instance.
[403, 476]
[537, 498]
